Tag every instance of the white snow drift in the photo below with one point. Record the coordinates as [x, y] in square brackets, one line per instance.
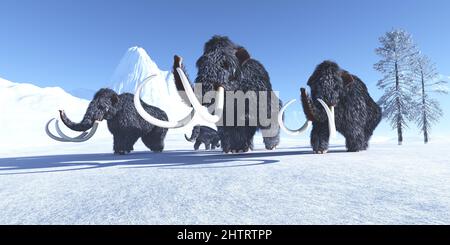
[26, 109]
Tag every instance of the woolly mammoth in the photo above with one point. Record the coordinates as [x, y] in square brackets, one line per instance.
[227, 70]
[339, 101]
[204, 135]
[124, 122]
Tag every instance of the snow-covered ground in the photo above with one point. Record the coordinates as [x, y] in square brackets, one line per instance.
[82, 184]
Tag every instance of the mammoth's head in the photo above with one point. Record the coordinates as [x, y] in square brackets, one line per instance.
[104, 105]
[220, 64]
[329, 83]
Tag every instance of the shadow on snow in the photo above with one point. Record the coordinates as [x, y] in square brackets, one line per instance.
[172, 159]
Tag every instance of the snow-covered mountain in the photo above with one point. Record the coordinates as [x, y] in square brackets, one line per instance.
[26, 108]
[135, 66]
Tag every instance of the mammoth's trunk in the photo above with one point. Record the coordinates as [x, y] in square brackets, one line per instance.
[177, 64]
[313, 113]
[84, 125]
[195, 134]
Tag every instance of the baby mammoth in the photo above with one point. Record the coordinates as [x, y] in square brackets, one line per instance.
[339, 101]
[124, 122]
[205, 135]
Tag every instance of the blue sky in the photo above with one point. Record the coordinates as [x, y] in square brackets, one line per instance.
[77, 44]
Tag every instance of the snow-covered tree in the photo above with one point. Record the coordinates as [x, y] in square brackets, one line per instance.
[398, 53]
[427, 82]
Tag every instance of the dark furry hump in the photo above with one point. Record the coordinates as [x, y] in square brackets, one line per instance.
[104, 92]
[325, 66]
[219, 42]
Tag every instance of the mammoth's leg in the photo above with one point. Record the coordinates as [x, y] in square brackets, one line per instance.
[225, 139]
[215, 143]
[374, 117]
[207, 145]
[367, 136]
[155, 139]
[370, 127]
[356, 140]
[124, 142]
[237, 139]
[271, 133]
[197, 144]
[271, 136]
[271, 142]
[320, 136]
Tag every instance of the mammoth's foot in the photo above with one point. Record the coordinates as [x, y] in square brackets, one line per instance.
[320, 138]
[271, 143]
[234, 146]
[123, 143]
[247, 149]
[321, 152]
[122, 152]
[237, 139]
[356, 144]
[353, 150]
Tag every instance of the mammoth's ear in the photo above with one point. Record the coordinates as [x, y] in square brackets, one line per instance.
[347, 78]
[242, 55]
[114, 99]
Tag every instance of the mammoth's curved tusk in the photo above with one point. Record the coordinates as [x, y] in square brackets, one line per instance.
[155, 121]
[47, 131]
[87, 136]
[203, 111]
[64, 138]
[331, 120]
[287, 130]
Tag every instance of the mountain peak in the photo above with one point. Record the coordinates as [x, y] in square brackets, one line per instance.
[135, 66]
[139, 52]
